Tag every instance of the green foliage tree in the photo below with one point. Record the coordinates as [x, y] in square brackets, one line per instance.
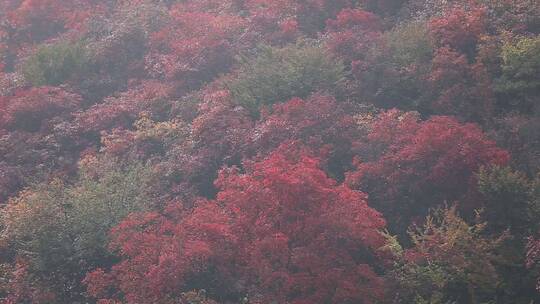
[509, 199]
[512, 207]
[451, 261]
[520, 69]
[279, 74]
[409, 44]
[62, 229]
[56, 63]
[399, 66]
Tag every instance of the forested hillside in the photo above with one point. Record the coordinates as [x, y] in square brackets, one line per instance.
[269, 151]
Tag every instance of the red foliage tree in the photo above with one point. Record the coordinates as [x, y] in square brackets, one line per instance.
[122, 110]
[31, 21]
[272, 28]
[18, 287]
[194, 47]
[321, 123]
[410, 166]
[460, 88]
[352, 33]
[218, 136]
[459, 28]
[32, 109]
[161, 252]
[221, 126]
[351, 37]
[282, 231]
[33, 134]
[304, 231]
[224, 134]
[310, 16]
